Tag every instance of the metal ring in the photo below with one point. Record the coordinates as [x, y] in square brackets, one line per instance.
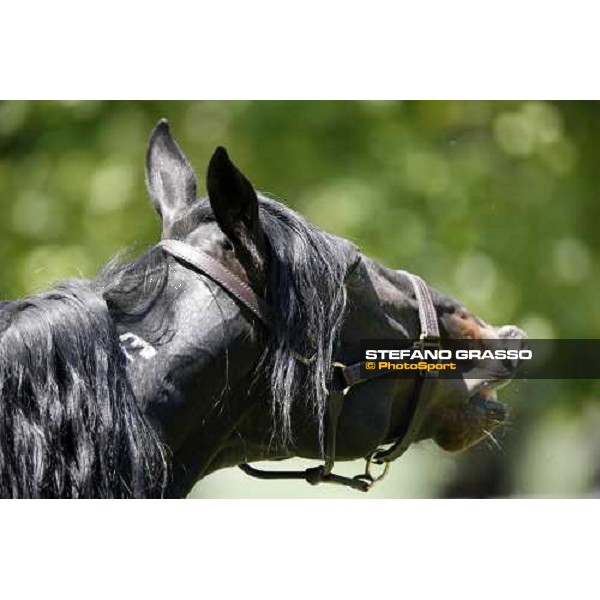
[368, 466]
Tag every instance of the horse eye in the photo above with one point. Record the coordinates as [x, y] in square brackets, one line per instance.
[352, 278]
[227, 245]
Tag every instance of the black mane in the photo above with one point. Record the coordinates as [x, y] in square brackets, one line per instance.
[69, 424]
[308, 300]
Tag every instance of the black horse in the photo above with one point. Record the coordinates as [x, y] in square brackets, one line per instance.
[153, 375]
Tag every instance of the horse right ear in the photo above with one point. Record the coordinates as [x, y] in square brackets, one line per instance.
[170, 179]
[233, 200]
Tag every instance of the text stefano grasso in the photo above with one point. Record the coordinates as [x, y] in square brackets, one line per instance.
[447, 354]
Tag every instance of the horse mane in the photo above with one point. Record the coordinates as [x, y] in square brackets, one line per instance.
[307, 296]
[69, 423]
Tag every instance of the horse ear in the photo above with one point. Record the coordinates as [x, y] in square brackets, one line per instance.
[233, 199]
[170, 179]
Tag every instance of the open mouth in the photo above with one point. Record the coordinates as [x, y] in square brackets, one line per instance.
[486, 400]
[463, 426]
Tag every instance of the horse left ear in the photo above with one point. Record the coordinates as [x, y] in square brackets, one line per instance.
[170, 178]
[233, 200]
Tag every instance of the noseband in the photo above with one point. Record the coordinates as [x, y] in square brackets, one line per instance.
[343, 378]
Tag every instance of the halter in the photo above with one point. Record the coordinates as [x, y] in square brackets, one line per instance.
[344, 377]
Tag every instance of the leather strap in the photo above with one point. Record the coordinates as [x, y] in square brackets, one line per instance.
[313, 475]
[427, 312]
[230, 282]
[422, 391]
[419, 401]
[346, 376]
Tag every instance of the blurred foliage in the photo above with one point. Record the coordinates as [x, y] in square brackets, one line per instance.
[496, 203]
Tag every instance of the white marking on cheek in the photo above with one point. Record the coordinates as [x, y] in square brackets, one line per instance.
[148, 352]
[132, 342]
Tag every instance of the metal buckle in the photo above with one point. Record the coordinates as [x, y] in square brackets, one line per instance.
[367, 477]
[425, 342]
[337, 378]
[422, 344]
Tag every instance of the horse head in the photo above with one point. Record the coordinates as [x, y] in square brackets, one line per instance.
[224, 387]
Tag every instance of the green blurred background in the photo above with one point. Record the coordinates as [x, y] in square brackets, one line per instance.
[496, 203]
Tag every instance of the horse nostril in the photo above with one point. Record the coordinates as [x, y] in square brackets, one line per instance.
[494, 409]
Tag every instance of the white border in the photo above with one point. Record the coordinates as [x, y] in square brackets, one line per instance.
[311, 49]
[299, 549]
[302, 50]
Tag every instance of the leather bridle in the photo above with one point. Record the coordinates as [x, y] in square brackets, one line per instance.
[343, 378]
